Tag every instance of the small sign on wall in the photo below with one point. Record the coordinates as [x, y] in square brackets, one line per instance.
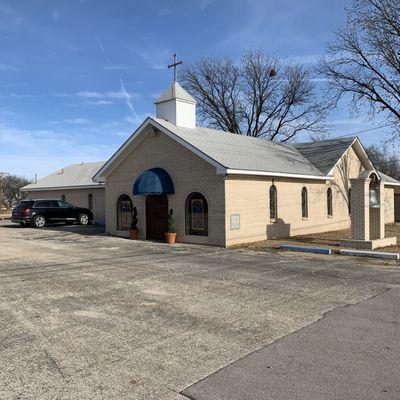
[235, 222]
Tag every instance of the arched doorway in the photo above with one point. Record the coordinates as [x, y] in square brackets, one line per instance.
[124, 212]
[156, 216]
[156, 184]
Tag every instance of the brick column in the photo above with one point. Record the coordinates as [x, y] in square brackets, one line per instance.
[377, 215]
[360, 209]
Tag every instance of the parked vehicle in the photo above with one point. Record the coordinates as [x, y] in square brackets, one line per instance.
[40, 212]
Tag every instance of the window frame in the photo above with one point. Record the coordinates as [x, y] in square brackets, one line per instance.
[329, 202]
[304, 203]
[349, 200]
[90, 201]
[189, 229]
[120, 226]
[273, 195]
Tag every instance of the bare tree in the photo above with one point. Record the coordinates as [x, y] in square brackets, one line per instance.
[364, 60]
[260, 96]
[384, 161]
[10, 189]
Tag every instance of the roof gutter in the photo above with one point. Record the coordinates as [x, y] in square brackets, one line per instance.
[37, 189]
[386, 183]
[277, 174]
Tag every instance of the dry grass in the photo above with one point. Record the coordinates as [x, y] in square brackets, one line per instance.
[328, 239]
[4, 214]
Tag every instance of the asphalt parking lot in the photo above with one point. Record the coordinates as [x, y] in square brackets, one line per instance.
[87, 316]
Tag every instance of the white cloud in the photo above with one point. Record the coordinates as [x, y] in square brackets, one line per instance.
[157, 58]
[77, 121]
[55, 14]
[203, 4]
[99, 102]
[110, 95]
[9, 67]
[34, 150]
[116, 67]
[305, 58]
[128, 99]
[9, 15]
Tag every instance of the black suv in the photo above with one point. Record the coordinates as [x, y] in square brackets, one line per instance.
[39, 212]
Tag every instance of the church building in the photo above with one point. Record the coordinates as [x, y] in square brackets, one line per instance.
[224, 189]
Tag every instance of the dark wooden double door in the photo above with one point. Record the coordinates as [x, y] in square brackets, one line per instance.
[156, 216]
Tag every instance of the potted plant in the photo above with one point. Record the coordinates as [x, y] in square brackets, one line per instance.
[133, 232]
[171, 233]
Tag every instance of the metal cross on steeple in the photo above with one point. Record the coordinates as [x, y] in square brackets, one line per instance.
[174, 65]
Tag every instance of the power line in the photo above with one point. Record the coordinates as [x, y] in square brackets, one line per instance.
[363, 131]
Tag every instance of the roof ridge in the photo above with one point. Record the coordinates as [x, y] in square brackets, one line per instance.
[351, 138]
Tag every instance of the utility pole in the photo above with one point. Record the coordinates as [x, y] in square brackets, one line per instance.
[2, 175]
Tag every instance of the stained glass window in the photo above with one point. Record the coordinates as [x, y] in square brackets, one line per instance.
[196, 215]
[273, 202]
[304, 203]
[329, 202]
[124, 212]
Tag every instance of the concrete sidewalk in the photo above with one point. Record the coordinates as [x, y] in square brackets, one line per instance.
[353, 352]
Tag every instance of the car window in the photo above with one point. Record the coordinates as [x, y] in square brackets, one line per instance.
[44, 204]
[24, 204]
[64, 204]
[54, 203]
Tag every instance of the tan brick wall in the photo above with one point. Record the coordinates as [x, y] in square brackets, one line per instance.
[238, 195]
[189, 173]
[249, 197]
[77, 197]
[389, 205]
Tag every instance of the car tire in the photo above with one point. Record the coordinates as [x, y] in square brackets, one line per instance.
[83, 219]
[39, 221]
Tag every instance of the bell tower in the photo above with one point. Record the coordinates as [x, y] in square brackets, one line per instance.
[368, 213]
[176, 105]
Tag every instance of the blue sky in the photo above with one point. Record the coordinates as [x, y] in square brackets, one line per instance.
[77, 77]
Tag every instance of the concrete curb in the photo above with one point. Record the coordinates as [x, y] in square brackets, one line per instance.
[304, 249]
[369, 253]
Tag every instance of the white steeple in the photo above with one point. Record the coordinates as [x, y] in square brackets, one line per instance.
[177, 106]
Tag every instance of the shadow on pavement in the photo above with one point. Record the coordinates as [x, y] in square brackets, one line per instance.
[87, 230]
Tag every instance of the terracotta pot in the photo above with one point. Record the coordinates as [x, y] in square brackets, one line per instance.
[171, 237]
[133, 234]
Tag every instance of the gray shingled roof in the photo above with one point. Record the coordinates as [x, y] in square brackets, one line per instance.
[244, 153]
[324, 154]
[175, 91]
[388, 179]
[75, 175]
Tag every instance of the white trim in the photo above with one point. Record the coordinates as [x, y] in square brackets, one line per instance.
[386, 183]
[356, 140]
[102, 173]
[176, 98]
[94, 186]
[278, 174]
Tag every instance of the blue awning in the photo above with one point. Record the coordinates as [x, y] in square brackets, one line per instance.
[153, 181]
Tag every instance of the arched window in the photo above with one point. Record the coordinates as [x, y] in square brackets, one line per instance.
[304, 203]
[273, 203]
[329, 202]
[124, 212]
[90, 201]
[349, 200]
[196, 215]
[63, 197]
